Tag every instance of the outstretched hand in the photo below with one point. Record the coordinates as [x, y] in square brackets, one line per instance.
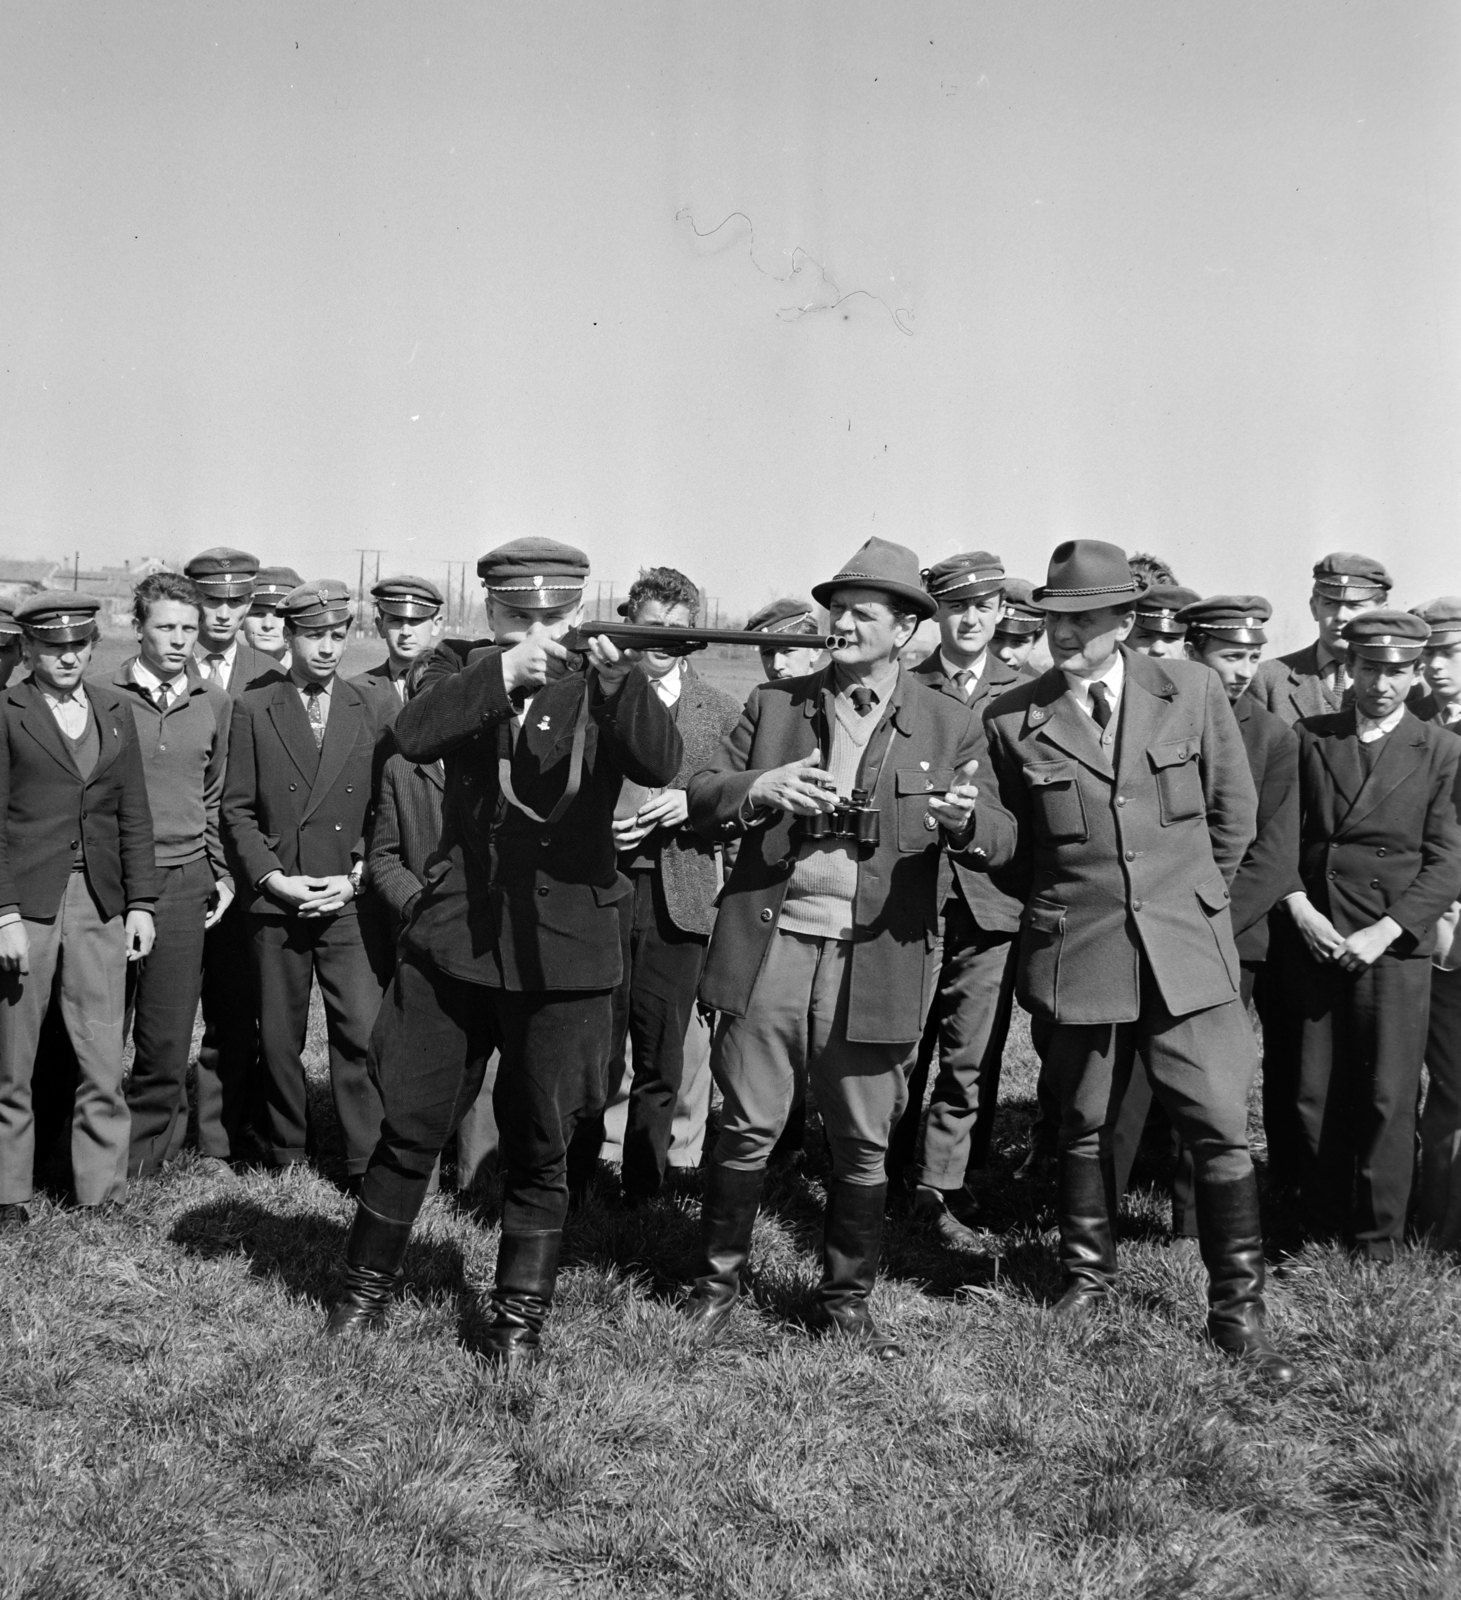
[955, 808]
[799, 787]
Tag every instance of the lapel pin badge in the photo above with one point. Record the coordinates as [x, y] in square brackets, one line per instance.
[544, 725]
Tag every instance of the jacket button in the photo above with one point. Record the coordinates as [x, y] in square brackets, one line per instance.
[930, 822]
[1374, 883]
[337, 827]
[1333, 873]
[349, 788]
[1136, 905]
[1380, 851]
[74, 845]
[545, 841]
[542, 888]
[1120, 799]
[292, 788]
[162, 747]
[1131, 855]
[766, 914]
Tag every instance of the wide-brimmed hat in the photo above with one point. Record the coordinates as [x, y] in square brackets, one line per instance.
[880, 564]
[1086, 574]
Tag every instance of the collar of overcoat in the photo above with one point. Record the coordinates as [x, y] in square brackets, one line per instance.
[1146, 693]
[38, 720]
[1361, 789]
[993, 680]
[903, 702]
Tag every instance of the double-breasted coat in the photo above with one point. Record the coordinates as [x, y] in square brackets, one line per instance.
[1129, 862]
[924, 739]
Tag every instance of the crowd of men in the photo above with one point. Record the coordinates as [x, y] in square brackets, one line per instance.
[515, 867]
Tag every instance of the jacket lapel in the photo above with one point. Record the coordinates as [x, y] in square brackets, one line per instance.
[1400, 755]
[41, 725]
[109, 735]
[347, 717]
[292, 726]
[1341, 754]
[431, 771]
[1055, 716]
[1144, 702]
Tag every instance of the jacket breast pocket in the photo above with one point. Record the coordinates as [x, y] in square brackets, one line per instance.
[914, 787]
[1060, 812]
[1179, 780]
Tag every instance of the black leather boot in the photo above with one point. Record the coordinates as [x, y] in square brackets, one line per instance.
[852, 1241]
[727, 1216]
[1231, 1236]
[527, 1270]
[373, 1258]
[1087, 1242]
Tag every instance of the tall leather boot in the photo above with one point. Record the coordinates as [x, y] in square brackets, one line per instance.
[373, 1257]
[852, 1241]
[1231, 1238]
[1087, 1241]
[527, 1270]
[727, 1216]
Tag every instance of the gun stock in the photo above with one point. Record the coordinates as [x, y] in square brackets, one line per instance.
[685, 641]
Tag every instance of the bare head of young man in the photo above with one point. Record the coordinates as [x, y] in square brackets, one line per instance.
[166, 610]
[661, 597]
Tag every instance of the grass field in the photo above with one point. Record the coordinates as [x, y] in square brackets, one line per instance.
[172, 1423]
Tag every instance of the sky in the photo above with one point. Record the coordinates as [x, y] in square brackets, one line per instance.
[735, 287]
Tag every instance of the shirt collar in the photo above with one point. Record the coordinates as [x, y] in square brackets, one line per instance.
[77, 696]
[1370, 730]
[670, 687]
[304, 685]
[882, 685]
[1114, 677]
[145, 678]
[976, 672]
[202, 652]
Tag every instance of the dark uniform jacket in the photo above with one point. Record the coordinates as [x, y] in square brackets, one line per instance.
[704, 716]
[511, 902]
[1128, 862]
[922, 741]
[1382, 842]
[292, 807]
[1270, 867]
[379, 678]
[405, 832]
[996, 897]
[47, 811]
[1291, 686]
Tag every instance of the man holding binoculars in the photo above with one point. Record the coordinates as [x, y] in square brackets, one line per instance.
[842, 787]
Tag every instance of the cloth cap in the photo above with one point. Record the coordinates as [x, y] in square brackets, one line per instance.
[58, 616]
[223, 574]
[1159, 609]
[410, 598]
[1022, 618]
[271, 584]
[321, 603]
[965, 577]
[1086, 574]
[534, 574]
[787, 615]
[1342, 575]
[1384, 635]
[1443, 618]
[880, 564]
[1229, 618]
[9, 627]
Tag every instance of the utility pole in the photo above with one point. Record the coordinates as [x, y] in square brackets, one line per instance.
[76, 572]
[360, 587]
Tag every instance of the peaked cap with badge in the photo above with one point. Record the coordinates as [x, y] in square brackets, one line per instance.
[964, 577]
[1159, 609]
[1394, 637]
[1228, 618]
[1086, 574]
[271, 585]
[9, 627]
[407, 597]
[1443, 618]
[58, 616]
[880, 564]
[1345, 576]
[223, 574]
[787, 615]
[1022, 617]
[321, 603]
[534, 574]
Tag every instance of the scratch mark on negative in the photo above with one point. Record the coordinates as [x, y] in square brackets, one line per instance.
[901, 316]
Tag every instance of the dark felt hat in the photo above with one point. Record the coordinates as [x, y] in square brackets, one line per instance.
[1159, 609]
[965, 577]
[1443, 618]
[787, 615]
[880, 564]
[1343, 575]
[410, 598]
[1022, 618]
[1229, 618]
[58, 616]
[1384, 635]
[271, 584]
[223, 574]
[1086, 574]
[320, 603]
[534, 574]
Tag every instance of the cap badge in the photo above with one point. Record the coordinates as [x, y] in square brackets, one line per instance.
[538, 581]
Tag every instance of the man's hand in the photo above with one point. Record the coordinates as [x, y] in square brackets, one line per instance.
[1323, 939]
[535, 660]
[955, 808]
[668, 810]
[336, 892]
[218, 902]
[1365, 947]
[15, 949]
[297, 894]
[610, 662]
[797, 787]
[140, 932]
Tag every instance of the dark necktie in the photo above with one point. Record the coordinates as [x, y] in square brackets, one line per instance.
[862, 699]
[163, 695]
[316, 713]
[962, 681]
[1100, 706]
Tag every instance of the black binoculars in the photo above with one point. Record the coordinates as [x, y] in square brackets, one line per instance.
[853, 819]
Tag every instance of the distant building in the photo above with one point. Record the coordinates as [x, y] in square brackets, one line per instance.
[111, 585]
[20, 578]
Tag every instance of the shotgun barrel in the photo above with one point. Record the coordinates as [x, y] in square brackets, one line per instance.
[684, 641]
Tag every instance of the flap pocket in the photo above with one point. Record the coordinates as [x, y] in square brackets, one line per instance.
[1040, 774]
[1213, 893]
[914, 780]
[1172, 753]
[610, 894]
[1044, 918]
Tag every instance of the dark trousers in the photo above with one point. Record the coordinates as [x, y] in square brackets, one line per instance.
[428, 1053]
[288, 953]
[968, 1024]
[1275, 994]
[652, 1010]
[229, 1056]
[1440, 1122]
[1364, 1038]
[1045, 1129]
[162, 1001]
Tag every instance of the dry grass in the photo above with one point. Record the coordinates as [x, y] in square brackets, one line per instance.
[172, 1423]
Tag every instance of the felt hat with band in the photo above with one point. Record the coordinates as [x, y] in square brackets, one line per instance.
[1022, 618]
[1086, 574]
[408, 598]
[1443, 618]
[787, 615]
[1345, 576]
[1159, 609]
[1228, 618]
[271, 584]
[1389, 636]
[321, 603]
[58, 616]
[880, 564]
[964, 577]
[534, 574]
[223, 574]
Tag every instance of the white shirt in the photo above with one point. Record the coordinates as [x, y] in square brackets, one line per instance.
[224, 664]
[1114, 677]
[145, 678]
[668, 687]
[69, 710]
[1370, 730]
[976, 672]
